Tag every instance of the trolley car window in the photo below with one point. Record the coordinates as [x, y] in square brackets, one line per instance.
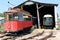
[15, 17]
[10, 17]
[27, 18]
[47, 21]
[20, 17]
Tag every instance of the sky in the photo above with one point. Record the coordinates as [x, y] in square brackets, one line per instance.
[4, 4]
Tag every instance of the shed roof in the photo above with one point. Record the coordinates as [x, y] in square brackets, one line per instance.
[46, 4]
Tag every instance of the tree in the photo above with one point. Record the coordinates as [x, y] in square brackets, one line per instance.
[1, 15]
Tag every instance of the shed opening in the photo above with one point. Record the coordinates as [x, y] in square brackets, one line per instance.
[42, 11]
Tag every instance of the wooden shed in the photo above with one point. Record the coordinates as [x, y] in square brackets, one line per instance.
[38, 10]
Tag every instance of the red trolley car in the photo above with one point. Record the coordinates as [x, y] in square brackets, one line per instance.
[16, 20]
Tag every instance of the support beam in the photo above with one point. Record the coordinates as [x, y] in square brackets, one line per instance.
[38, 16]
[41, 6]
[55, 13]
[28, 0]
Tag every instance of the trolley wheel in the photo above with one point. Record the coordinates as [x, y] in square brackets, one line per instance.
[31, 29]
[28, 30]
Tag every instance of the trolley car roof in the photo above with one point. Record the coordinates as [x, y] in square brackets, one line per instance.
[17, 10]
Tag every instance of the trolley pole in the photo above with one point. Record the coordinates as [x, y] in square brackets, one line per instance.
[22, 7]
[38, 16]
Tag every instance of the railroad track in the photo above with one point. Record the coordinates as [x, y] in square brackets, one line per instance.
[4, 37]
[37, 34]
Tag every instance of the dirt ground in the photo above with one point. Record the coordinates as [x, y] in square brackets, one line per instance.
[38, 34]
